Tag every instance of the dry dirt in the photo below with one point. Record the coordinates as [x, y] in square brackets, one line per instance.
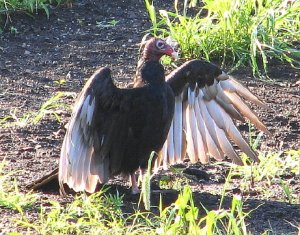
[70, 45]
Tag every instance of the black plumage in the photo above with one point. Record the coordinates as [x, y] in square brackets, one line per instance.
[189, 113]
[115, 130]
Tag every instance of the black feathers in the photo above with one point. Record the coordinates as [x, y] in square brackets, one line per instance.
[114, 130]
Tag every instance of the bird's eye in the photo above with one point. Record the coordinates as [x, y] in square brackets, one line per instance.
[160, 45]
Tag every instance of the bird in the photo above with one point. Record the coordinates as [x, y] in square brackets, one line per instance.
[189, 113]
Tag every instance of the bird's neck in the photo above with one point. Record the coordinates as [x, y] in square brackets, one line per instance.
[152, 72]
[138, 79]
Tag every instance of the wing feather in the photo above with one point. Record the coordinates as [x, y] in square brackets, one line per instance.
[245, 93]
[82, 163]
[170, 148]
[208, 112]
[165, 155]
[246, 111]
[204, 158]
[177, 129]
[211, 135]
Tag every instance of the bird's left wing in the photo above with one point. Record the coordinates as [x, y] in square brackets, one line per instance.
[207, 102]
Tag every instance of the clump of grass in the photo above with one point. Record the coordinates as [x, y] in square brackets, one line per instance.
[95, 214]
[107, 24]
[31, 6]
[175, 182]
[234, 32]
[182, 217]
[272, 169]
[9, 7]
[102, 214]
[10, 196]
[146, 185]
[51, 107]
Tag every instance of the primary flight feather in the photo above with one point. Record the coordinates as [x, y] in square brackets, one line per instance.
[189, 113]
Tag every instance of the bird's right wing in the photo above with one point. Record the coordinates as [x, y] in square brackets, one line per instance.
[207, 102]
[89, 145]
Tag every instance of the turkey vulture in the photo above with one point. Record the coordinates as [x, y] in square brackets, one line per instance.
[113, 131]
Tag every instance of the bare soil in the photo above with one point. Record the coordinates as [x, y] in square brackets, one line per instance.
[71, 45]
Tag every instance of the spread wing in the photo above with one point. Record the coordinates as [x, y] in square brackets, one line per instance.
[98, 117]
[207, 100]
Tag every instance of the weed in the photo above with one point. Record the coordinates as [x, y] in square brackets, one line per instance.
[13, 30]
[30, 6]
[272, 169]
[146, 189]
[52, 107]
[286, 190]
[102, 213]
[10, 196]
[234, 32]
[60, 82]
[175, 182]
[107, 24]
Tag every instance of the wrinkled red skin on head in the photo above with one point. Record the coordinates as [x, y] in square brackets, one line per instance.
[151, 52]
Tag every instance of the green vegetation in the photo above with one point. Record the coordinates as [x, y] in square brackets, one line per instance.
[10, 197]
[101, 212]
[52, 107]
[31, 6]
[273, 169]
[234, 33]
[107, 24]
[8, 7]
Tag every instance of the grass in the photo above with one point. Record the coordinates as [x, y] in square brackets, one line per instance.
[103, 213]
[234, 33]
[51, 107]
[10, 196]
[274, 169]
[31, 6]
[268, 37]
[8, 7]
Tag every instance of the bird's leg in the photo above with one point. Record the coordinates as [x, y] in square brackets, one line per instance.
[134, 186]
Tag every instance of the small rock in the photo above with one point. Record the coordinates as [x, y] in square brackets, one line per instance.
[68, 76]
[27, 52]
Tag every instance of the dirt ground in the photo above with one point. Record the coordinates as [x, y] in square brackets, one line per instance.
[76, 40]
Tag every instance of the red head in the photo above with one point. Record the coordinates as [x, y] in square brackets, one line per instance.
[155, 48]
